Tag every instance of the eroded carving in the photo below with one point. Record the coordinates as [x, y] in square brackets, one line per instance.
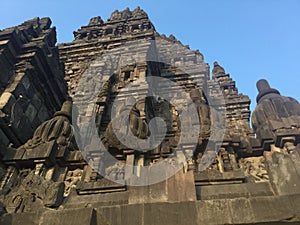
[33, 193]
[72, 178]
[255, 169]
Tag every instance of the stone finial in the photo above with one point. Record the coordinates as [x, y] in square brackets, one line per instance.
[57, 128]
[33, 22]
[276, 118]
[172, 37]
[95, 21]
[264, 89]
[138, 12]
[123, 15]
[45, 23]
[217, 70]
[126, 14]
[66, 110]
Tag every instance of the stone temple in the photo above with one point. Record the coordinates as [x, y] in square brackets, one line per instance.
[64, 159]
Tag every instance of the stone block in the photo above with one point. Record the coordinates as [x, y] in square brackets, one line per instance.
[170, 213]
[181, 187]
[66, 217]
[7, 100]
[213, 212]
[99, 186]
[13, 155]
[31, 113]
[35, 123]
[21, 219]
[163, 213]
[295, 204]
[241, 211]
[152, 193]
[26, 82]
[43, 113]
[271, 208]
[9, 131]
[24, 129]
[17, 88]
[283, 173]
[223, 191]
[3, 138]
[36, 101]
[46, 151]
[259, 189]
[97, 200]
[124, 214]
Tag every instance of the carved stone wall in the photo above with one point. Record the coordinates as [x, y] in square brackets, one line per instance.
[238, 131]
[31, 75]
[98, 36]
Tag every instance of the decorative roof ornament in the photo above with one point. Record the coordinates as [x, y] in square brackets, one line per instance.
[264, 89]
[95, 21]
[218, 70]
[127, 14]
[276, 118]
[58, 128]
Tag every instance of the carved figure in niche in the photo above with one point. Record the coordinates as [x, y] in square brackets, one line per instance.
[137, 120]
[203, 112]
[72, 178]
[166, 111]
[137, 123]
[255, 169]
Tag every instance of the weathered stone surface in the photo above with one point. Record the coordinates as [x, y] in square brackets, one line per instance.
[20, 219]
[77, 217]
[283, 171]
[213, 212]
[234, 191]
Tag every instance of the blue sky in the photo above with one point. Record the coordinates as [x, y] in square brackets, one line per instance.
[251, 39]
